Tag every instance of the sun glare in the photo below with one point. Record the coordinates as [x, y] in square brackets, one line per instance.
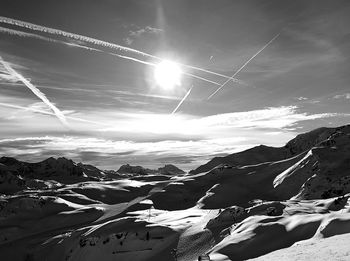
[167, 75]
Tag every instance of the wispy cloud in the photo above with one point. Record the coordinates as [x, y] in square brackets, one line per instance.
[342, 96]
[301, 98]
[195, 140]
[216, 125]
[110, 146]
[8, 78]
[106, 153]
[135, 123]
[134, 34]
[269, 118]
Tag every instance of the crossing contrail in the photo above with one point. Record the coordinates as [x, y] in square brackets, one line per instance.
[183, 99]
[211, 72]
[94, 41]
[231, 78]
[245, 64]
[24, 34]
[102, 43]
[151, 64]
[36, 91]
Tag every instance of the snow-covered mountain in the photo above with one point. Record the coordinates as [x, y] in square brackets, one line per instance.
[262, 153]
[60, 170]
[253, 204]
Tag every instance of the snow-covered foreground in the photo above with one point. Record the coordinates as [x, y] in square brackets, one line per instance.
[289, 203]
[332, 248]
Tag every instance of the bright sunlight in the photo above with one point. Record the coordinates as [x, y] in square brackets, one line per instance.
[168, 75]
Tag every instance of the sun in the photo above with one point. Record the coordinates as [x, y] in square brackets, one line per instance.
[167, 75]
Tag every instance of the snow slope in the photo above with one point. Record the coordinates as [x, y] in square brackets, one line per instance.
[288, 203]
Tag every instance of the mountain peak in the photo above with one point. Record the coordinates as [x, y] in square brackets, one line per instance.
[262, 153]
[170, 169]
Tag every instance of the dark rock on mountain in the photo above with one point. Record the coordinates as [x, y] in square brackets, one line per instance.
[128, 169]
[170, 169]
[61, 170]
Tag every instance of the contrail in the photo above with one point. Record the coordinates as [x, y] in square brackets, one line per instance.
[24, 34]
[183, 99]
[211, 72]
[143, 62]
[232, 77]
[36, 91]
[240, 69]
[78, 37]
[147, 63]
[95, 41]
[48, 113]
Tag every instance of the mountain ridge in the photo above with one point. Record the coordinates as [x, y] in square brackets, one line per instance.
[253, 206]
[300, 143]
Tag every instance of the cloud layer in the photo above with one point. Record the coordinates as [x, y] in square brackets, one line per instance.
[203, 137]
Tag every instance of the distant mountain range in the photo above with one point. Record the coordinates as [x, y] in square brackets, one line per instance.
[241, 206]
[168, 169]
[18, 175]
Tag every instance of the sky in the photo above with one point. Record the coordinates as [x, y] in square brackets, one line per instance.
[77, 77]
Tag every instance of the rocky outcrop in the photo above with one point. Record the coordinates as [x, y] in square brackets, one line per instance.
[128, 169]
[170, 169]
